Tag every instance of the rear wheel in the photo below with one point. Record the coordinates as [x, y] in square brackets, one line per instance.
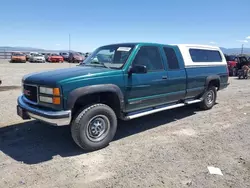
[209, 98]
[94, 127]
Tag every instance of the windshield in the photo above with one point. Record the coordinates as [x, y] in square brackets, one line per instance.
[243, 59]
[37, 55]
[112, 56]
[18, 55]
[230, 58]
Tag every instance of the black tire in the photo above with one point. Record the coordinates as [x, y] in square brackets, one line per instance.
[84, 129]
[209, 98]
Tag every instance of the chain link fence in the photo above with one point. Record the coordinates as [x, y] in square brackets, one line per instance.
[5, 54]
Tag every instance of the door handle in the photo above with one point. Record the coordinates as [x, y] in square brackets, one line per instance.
[164, 77]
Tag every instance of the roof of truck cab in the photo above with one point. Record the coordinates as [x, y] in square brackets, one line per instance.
[160, 44]
[134, 43]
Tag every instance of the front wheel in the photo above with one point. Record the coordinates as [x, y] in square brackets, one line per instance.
[209, 98]
[94, 127]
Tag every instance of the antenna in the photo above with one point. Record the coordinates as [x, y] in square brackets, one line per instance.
[242, 46]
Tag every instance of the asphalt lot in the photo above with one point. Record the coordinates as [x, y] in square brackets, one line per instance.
[167, 149]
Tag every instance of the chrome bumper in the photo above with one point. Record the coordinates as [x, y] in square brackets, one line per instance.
[58, 118]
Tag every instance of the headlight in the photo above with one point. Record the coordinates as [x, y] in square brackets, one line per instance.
[46, 90]
[49, 91]
[46, 99]
[51, 100]
[54, 99]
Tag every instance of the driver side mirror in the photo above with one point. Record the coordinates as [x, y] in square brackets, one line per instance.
[139, 69]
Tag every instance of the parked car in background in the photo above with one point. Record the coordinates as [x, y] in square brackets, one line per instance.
[75, 57]
[18, 57]
[65, 55]
[241, 61]
[140, 79]
[30, 54]
[87, 54]
[55, 58]
[231, 64]
[82, 54]
[47, 56]
[37, 58]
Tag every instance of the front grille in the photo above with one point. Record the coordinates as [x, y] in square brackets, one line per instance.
[30, 92]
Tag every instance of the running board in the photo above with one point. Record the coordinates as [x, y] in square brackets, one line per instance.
[193, 101]
[140, 114]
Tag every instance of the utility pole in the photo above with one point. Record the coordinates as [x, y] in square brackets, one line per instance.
[69, 43]
[69, 46]
[242, 46]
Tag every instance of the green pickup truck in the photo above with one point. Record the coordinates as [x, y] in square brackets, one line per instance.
[125, 81]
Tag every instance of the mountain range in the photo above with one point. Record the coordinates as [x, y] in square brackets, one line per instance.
[28, 49]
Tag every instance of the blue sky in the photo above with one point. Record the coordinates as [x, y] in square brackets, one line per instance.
[47, 24]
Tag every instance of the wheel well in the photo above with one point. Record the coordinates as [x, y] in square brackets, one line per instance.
[215, 83]
[109, 98]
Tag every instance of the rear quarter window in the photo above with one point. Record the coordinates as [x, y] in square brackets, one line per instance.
[172, 60]
[200, 55]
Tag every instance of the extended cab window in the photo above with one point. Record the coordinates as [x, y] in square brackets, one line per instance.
[171, 58]
[199, 55]
[150, 57]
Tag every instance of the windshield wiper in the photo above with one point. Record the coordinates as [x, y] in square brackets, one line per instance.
[99, 63]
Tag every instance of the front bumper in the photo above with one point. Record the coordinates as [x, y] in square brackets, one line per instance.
[56, 60]
[39, 60]
[57, 118]
[18, 60]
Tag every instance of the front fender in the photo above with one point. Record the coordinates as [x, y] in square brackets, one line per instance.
[80, 92]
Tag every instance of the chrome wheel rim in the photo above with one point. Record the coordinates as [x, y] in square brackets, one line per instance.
[98, 128]
[210, 97]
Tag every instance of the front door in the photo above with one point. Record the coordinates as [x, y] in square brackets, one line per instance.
[148, 89]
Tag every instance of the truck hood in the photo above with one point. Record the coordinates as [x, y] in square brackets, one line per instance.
[52, 78]
[18, 57]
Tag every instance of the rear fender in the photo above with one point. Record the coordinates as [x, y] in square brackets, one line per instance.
[212, 78]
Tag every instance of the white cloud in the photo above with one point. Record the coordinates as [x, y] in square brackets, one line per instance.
[242, 41]
[212, 42]
[248, 37]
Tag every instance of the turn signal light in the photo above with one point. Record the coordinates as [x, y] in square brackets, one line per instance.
[56, 100]
[56, 92]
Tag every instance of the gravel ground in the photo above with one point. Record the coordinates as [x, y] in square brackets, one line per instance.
[167, 149]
